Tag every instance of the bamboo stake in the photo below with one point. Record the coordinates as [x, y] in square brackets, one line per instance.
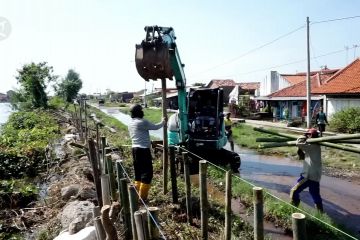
[103, 159]
[187, 187]
[173, 175]
[228, 206]
[203, 199]
[299, 226]
[152, 221]
[165, 139]
[126, 208]
[110, 230]
[105, 189]
[134, 199]
[110, 168]
[94, 165]
[141, 225]
[258, 213]
[100, 231]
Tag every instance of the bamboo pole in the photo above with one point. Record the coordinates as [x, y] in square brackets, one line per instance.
[173, 175]
[134, 206]
[98, 148]
[228, 206]
[105, 183]
[126, 208]
[258, 213]
[315, 140]
[100, 231]
[141, 225]
[110, 230]
[103, 159]
[299, 226]
[81, 121]
[119, 175]
[272, 139]
[86, 120]
[110, 167]
[326, 144]
[187, 187]
[94, 164]
[203, 199]
[165, 139]
[153, 221]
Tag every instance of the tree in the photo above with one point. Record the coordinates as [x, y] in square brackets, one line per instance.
[33, 79]
[70, 86]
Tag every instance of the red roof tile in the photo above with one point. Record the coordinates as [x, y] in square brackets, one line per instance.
[249, 85]
[215, 83]
[299, 77]
[346, 81]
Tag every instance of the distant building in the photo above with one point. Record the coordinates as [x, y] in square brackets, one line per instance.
[227, 85]
[334, 90]
[4, 97]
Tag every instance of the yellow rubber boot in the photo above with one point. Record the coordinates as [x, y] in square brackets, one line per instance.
[144, 191]
[137, 185]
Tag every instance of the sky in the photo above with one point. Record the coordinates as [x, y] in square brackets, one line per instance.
[215, 39]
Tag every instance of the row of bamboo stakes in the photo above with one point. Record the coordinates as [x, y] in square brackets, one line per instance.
[142, 224]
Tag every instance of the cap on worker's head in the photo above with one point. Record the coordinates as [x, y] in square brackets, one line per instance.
[312, 132]
[228, 114]
[136, 111]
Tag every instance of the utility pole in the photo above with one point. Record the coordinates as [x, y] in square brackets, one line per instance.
[308, 82]
[347, 53]
[355, 46]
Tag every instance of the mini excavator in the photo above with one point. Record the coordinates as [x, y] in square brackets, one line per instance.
[202, 129]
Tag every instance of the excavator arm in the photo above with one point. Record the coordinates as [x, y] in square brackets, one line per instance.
[157, 57]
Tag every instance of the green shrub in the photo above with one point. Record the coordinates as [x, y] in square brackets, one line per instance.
[23, 140]
[346, 121]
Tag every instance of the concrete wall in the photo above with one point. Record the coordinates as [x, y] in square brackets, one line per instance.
[272, 83]
[336, 104]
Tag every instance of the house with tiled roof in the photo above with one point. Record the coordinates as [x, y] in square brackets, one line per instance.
[290, 102]
[226, 84]
[277, 81]
[244, 88]
[342, 90]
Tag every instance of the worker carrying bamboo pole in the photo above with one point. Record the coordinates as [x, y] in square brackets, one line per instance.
[312, 168]
[140, 137]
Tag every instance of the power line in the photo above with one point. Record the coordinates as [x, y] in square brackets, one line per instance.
[252, 50]
[294, 62]
[335, 19]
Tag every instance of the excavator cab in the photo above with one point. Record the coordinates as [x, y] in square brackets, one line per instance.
[205, 116]
[152, 57]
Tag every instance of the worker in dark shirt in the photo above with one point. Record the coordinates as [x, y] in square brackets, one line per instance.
[321, 120]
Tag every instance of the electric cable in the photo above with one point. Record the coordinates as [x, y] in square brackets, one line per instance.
[251, 50]
[335, 19]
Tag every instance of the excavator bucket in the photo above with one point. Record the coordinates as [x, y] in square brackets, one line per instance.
[153, 61]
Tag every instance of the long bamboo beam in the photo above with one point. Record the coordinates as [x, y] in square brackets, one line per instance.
[313, 140]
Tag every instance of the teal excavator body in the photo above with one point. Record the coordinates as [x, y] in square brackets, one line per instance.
[200, 110]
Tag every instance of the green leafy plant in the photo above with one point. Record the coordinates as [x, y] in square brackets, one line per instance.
[346, 120]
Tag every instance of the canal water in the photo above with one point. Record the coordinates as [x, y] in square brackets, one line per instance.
[341, 198]
[5, 111]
